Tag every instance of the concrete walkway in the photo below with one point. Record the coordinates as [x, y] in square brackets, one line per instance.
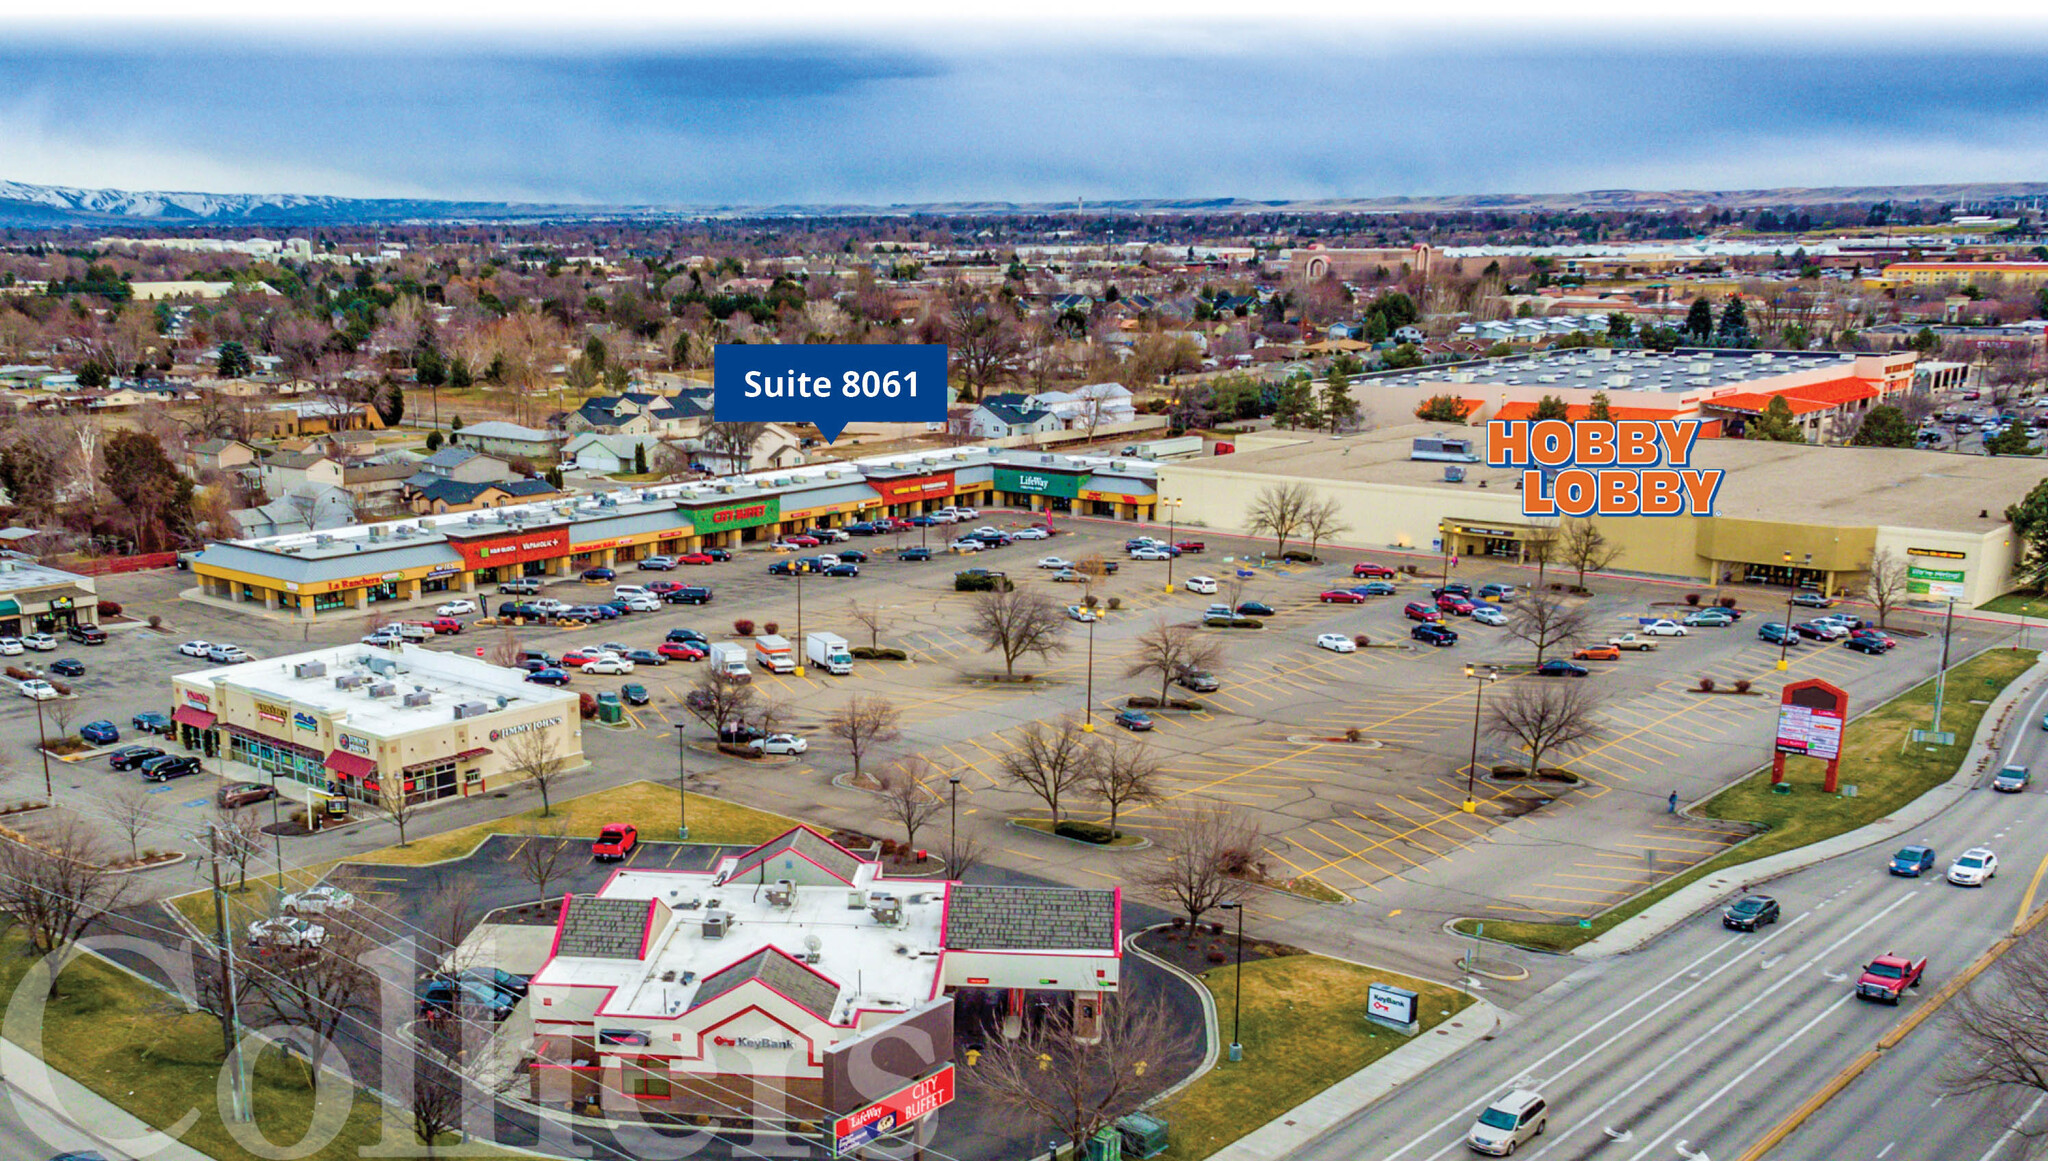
[1324, 1111]
[42, 1095]
[1687, 901]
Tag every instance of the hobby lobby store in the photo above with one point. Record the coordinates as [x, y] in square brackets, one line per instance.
[433, 557]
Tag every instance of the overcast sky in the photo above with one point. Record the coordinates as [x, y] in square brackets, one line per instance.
[840, 114]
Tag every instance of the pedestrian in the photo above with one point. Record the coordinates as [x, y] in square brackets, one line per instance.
[1672, 806]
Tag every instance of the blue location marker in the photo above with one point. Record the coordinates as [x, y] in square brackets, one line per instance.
[830, 385]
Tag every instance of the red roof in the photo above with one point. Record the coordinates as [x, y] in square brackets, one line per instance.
[1824, 396]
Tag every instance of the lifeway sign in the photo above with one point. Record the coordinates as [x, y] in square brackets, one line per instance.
[892, 1112]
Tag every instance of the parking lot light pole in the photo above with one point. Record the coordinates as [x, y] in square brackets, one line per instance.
[682, 782]
[953, 828]
[1479, 683]
[43, 748]
[800, 655]
[1172, 512]
[1237, 989]
[1785, 642]
[1088, 707]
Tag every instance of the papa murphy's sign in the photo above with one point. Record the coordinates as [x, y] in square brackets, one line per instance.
[512, 548]
[911, 489]
[1032, 483]
[745, 514]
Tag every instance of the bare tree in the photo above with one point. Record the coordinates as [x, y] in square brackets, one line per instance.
[734, 442]
[435, 1099]
[1279, 511]
[320, 986]
[1547, 620]
[1322, 519]
[505, 649]
[982, 342]
[1016, 623]
[1124, 774]
[535, 757]
[1196, 860]
[869, 617]
[2000, 1029]
[1171, 651]
[134, 812]
[1075, 1080]
[1885, 585]
[62, 712]
[234, 837]
[721, 699]
[60, 890]
[1541, 716]
[542, 847]
[449, 907]
[1539, 547]
[1051, 763]
[864, 723]
[1582, 546]
[967, 853]
[908, 797]
[398, 803]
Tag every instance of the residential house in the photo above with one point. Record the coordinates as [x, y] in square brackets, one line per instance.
[999, 417]
[778, 447]
[315, 417]
[288, 470]
[465, 464]
[456, 496]
[220, 455]
[641, 413]
[305, 508]
[375, 486]
[1094, 405]
[510, 439]
[608, 454]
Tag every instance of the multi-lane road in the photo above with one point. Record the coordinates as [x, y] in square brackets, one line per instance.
[1702, 1042]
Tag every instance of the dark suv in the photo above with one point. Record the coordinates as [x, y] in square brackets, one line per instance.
[688, 595]
[169, 766]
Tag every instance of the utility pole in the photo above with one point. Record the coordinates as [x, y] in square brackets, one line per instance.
[43, 748]
[1941, 675]
[231, 1004]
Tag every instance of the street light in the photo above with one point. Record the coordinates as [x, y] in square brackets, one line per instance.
[953, 829]
[1785, 641]
[1479, 684]
[43, 748]
[682, 783]
[1172, 512]
[1237, 989]
[1088, 707]
[800, 653]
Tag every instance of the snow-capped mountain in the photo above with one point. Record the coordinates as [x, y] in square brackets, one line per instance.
[22, 204]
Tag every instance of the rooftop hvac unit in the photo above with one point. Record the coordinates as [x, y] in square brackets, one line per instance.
[376, 532]
[417, 699]
[383, 689]
[856, 900]
[403, 532]
[470, 709]
[474, 518]
[322, 539]
[885, 908]
[305, 669]
[782, 894]
[1454, 474]
[381, 665]
[348, 680]
[716, 923]
[831, 473]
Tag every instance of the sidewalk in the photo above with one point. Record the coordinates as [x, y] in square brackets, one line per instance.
[1687, 901]
[70, 1102]
[1298, 1126]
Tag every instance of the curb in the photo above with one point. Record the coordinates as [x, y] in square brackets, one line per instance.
[1018, 824]
[1212, 1025]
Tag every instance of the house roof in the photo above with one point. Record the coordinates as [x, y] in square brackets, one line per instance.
[498, 429]
[773, 967]
[437, 489]
[452, 456]
[1007, 918]
[371, 473]
[804, 841]
[602, 928]
[527, 488]
[294, 460]
[1015, 416]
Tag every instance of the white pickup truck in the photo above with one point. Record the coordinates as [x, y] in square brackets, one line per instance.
[1631, 641]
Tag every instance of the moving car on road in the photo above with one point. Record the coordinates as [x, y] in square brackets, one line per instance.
[1976, 867]
[1750, 913]
[1912, 860]
[2010, 779]
[1888, 976]
[1515, 1119]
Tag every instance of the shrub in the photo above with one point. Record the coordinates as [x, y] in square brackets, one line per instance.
[1087, 832]
[1354, 734]
[1692, 599]
[1360, 640]
[588, 704]
[155, 621]
[1296, 556]
[1706, 685]
[1742, 685]
[1726, 602]
[1233, 623]
[982, 583]
[771, 628]
[62, 689]
[743, 627]
[110, 608]
[866, 653]
[1089, 601]
[1218, 957]
[1116, 603]
[17, 673]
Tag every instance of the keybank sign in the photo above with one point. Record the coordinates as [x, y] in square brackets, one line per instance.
[1037, 483]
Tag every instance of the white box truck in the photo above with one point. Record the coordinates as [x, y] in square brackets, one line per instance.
[828, 652]
[1164, 449]
[773, 654]
[729, 659]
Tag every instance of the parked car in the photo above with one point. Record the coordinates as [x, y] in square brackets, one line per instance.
[36, 689]
[129, 757]
[169, 766]
[455, 608]
[40, 642]
[615, 841]
[915, 554]
[609, 663]
[1820, 630]
[1497, 592]
[99, 733]
[1662, 628]
[682, 650]
[317, 900]
[67, 667]
[86, 634]
[1034, 532]
[1597, 653]
[151, 722]
[1777, 633]
[599, 575]
[1436, 635]
[519, 587]
[1451, 603]
[441, 998]
[1134, 720]
[1489, 615]
[1875, 645]
[685, 633]
[634, 693]
[779, 744]
[549, 677]
[1199, 680]
[1341, 597]
[1335, 643]
[688, 595]
[227, 654]
[1082, 613]
[286, 933]
[1559, 668]
[233, 795]
[657, 564]
[1055, 562]
[1812, 600]
[1368, 569]
[1453, 588]
[843, 570]
[1750, 913]
[1254, 609]
[190, 648]
[852, 556]
[1709, 619]
[1150, 553]
[1417, 611]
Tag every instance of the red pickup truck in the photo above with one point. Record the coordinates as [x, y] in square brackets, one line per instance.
[615, 842]
[1888, 977]
[1191, 546]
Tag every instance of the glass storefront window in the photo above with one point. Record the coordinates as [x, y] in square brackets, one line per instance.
[324, 601]
[383, 592]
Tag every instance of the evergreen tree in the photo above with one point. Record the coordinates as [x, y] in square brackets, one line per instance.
[1337, 402]
[2011, 442]
[455, 425]
[458, 373]
[233, 362]
[433, 441]
[2029, 520]
[1441, 409]
[1776, 423]
[1699, 321]
[1735, 322]
[639, 459]
[1884, 426]
[1298, 405]
[1551, 407]
[1599, 410]
[1620, 328]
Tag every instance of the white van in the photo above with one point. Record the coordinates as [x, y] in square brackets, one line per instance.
[627, 592]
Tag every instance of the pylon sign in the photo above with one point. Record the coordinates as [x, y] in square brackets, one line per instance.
[1811, 715]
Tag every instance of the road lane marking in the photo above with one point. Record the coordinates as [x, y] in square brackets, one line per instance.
[2014, 1128]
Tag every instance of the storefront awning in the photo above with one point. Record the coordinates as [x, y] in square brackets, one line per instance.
[185, 715]
[350, 765]
[9, 607]
[479, 752]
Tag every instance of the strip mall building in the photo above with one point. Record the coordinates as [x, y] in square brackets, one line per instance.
[350, 569]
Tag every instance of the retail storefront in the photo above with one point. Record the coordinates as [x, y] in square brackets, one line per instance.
[38, 599]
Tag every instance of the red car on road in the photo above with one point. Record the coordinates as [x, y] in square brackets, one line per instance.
[1342, 597]
[1376, 571]
[682, 651]
[694, 558]
[615, 841]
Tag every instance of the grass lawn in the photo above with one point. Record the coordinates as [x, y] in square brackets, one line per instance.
[116, 1035]
[2020, 604]
[1303, 1029]
[1878, 757]
[649, 805]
